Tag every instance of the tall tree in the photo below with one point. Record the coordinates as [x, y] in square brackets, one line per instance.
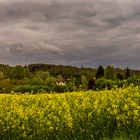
[100, 72]
[127, 73]
[110, 73]
[18, 72]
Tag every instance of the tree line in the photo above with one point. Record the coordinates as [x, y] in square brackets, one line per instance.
[35, 78]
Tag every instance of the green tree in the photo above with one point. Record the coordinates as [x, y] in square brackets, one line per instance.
[71, 85]
[59, 78]
[84, 82]
[110, 73]
[127, 73]
[1, 75]
[18, 72]
[36, 81]
[42, 74]
[51, 82]
[99, 72]
[119, 76]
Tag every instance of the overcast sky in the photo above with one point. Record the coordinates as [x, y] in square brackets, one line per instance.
[70, 32]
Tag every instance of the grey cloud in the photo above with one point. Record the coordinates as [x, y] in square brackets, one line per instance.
[70, 32]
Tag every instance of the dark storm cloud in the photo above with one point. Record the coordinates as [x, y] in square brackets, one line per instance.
[70, 32]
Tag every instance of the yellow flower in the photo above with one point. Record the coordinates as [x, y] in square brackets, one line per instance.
[126, 107]
[13, 126]
[136, 112]
[115, 111]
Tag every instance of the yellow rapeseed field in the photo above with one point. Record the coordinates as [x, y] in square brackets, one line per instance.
[71, 116]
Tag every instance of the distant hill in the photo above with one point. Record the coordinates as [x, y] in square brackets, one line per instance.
[65, 71]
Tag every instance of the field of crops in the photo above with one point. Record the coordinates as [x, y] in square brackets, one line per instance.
[71, 116]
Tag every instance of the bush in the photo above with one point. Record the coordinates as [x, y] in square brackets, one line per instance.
[31, 89]
[71, 86]
[23, 89]
[133, 80]
[91, 84]
[16, 82]
[120, 76]
[1, 89]
[36, 81]
[103, 83]
[42, 89]
[61, 88]
[51, 82]
[121, 83]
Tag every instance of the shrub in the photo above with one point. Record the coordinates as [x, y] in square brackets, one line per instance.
[42, 89]
[121, 83]
[23, 89]
[71, 86]
[1, 89]
[61, 88]
[91, 84]
[31, 89]
[133, 80]
[103, 83]
[51, 82]
[120, 76]
[36, 81]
